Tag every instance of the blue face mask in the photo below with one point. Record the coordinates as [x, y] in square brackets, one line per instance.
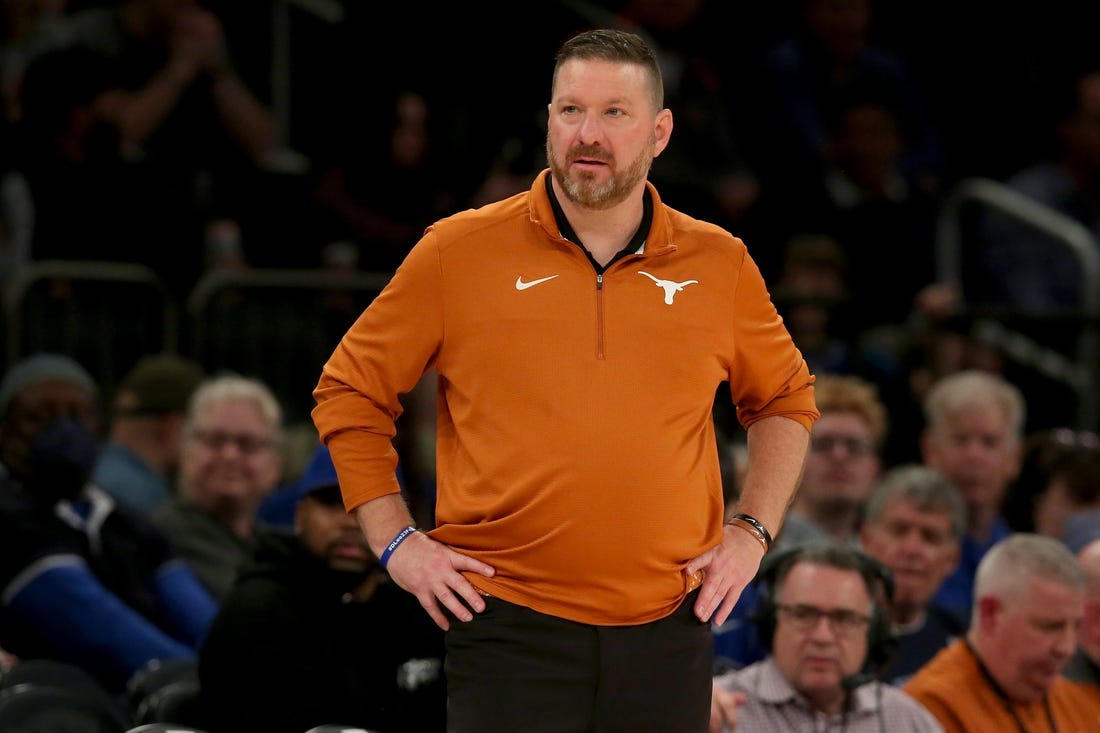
[62, 456]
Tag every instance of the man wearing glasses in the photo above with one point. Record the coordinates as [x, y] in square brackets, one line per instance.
[823, 622]
[843, 463]
[841, 468]
[230, 460]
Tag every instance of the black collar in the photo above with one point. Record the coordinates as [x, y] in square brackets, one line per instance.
[632, 246]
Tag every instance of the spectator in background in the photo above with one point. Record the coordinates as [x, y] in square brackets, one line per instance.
[169, 95]
[708, 170]
[139, 461]
[87, 201]
[1005, 675]
[1072, 488]
[937, 345]
[314, 632]
[385, 185]
[840, 470]
[1024, 268]
[882, 220]
[914, 525]
[973, 437]
[811, 293]
[81, 579]
[1059, 479]
[830, 53]
[26, 27]
[16, 213]
[1085, 665]
[843, 462]
[231, 460]
[814, 676]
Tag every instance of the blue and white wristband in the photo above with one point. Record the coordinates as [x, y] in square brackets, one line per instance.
[394, 543]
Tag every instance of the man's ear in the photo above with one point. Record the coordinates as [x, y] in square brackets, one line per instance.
[989, 610]
[662, 131]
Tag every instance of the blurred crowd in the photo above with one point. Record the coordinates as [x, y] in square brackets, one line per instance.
[828, 134]
[194, 137]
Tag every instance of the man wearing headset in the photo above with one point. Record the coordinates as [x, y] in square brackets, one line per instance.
[819, 672]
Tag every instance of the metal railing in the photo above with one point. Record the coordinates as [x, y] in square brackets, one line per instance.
[1081, 372]
[278, 324]
[104, 314]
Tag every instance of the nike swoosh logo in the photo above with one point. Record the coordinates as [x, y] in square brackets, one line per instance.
[520, 285]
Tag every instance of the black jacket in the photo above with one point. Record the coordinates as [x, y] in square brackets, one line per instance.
[289, 651]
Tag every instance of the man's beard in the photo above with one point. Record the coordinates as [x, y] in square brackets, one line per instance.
[583, 190]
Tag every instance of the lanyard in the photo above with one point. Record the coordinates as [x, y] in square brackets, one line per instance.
[1004, 698]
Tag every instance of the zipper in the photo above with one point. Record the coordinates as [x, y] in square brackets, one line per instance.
[599, 317]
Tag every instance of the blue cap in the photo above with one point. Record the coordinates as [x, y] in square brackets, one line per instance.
[319, 473]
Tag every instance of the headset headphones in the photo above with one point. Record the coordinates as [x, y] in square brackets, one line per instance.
[881, 641]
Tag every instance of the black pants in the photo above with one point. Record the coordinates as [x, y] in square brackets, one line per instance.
[514, 670]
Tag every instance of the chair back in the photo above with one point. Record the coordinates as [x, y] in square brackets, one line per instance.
[165, 728]
[50, 672]
[157, 674]
[178, 702]
[29, 707]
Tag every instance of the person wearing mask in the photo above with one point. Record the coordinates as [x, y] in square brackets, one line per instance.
[82, 580]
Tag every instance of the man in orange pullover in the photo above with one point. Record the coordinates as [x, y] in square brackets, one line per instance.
[1005, 675]
[579, 332]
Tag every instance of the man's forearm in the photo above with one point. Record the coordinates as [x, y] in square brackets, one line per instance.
[382, 518]
[777, 452]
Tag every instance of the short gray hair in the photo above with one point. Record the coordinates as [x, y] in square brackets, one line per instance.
[236, 388]
[1012, 563]
[926, 488]
[974, 388]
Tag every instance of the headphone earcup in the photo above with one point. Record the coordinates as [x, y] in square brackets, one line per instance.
[881, 640]
[765, 613]
[764, 616]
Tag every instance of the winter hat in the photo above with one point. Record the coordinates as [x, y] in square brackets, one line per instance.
[38, 368]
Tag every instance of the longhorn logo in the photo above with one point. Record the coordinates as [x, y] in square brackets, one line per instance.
[670, 287]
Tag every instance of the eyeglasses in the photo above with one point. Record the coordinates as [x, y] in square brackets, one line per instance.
[246, 444]
[852, 445]
[842, 621]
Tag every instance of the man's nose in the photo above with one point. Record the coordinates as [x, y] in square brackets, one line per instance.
[591, 130]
